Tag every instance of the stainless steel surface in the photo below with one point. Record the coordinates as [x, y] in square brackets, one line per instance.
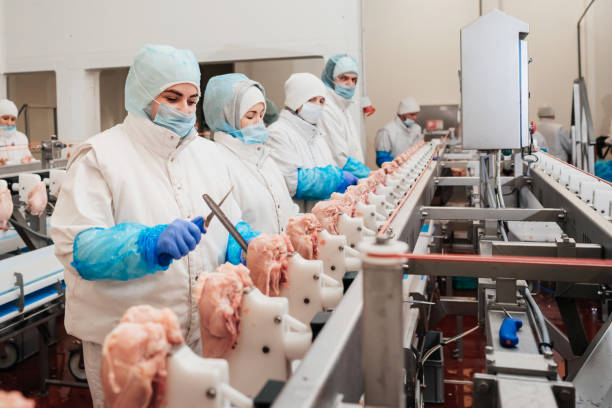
[382, 353]
[36, 167]
[492, 214]
[547, 249]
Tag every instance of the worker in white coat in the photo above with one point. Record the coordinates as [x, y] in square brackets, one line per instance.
[13, 144]
[400, 134]
[234, 108]
[340, 76]
[298, 145]
[557, 138]
[128, 224]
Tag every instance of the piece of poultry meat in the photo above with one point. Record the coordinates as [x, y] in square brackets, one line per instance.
[219, 296]
[303, 234]
[390, 167]
[6, 207]
[328, 213]
[268, 260]
[134, 357]
[14, 399]
[37, 199]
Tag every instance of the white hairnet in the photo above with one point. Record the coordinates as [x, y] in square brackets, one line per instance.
[408, 105]
[546, 110]
[155, 68]
[302, 87]
[8, 108]
[251, 97]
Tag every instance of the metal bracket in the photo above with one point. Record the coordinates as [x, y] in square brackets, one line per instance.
[20, 301]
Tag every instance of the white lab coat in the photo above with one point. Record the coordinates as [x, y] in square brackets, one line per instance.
[259, 187]
[396, 137]
[557, 138]
[13, 146]
[295, 144]
[339, 130]
[139, 172]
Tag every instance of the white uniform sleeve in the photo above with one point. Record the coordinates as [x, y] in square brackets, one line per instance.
[286, 157]
[23, 142]
[84, 202]
[332, 133]
[383, 141]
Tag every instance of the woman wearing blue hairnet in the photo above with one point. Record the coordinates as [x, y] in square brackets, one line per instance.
[128, 223]
[234, 108]
[340, 76]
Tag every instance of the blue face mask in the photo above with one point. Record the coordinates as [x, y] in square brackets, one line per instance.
[174, 120]
[408, 122]
[8, 128]
[256, 133]
[346, 92]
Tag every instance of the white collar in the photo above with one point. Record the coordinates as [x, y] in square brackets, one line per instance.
[307, 130]
[156, 139]
[254, 153]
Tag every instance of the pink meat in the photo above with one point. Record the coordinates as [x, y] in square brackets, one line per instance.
[328, 212]
[134, 357]
[6, 207]
[390, 167]
[358, 193]
[303, 233]
[219, 296]
[375, 179]
[268, 260]
[37, 199]
[14, 399]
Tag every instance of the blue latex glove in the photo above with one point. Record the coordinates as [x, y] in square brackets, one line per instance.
[318, 183]
[383, 157]
[349, 180]
[356, 167]
[178, 239]
[234, 253]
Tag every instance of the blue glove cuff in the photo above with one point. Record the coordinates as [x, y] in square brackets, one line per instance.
[318, 183]
[383, 157]
[234, 253]
[147, 242]
[356, 167]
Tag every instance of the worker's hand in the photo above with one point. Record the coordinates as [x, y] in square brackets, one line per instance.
[3, 161]
[26, 159]
[178, 239]
[348, 180]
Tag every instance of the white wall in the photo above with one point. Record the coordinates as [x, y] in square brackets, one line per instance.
[78, 38]
[412, 48]
[597, 64]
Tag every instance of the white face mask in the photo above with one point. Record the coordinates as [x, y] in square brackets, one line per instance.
[311, 112]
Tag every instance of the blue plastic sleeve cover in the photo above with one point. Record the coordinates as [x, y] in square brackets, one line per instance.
[318, 183]
[123, 252]
[383, 157]
[234, 253]
[356, 167]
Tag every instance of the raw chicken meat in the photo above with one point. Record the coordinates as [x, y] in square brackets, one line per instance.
[268, 260]
[328, 212]
[390, 167]
[358, 193]
[6, 207]
[134, 357]
[303, 233]
[14, 399]
[37, 199]
[219, 296]
[374, 179]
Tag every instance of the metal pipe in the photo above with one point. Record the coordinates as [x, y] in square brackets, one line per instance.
[539, 319]
[578, 29]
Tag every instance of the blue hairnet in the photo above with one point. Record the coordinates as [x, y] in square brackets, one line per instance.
[338, 65]
[155, 68]
[222, 102]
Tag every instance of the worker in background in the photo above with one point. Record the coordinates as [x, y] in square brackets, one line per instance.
[234, 108]
[128, 224]
[398, 135]
[340, 76]
[299, 148]
[13, 144]
[557, 138]
[272, 112]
